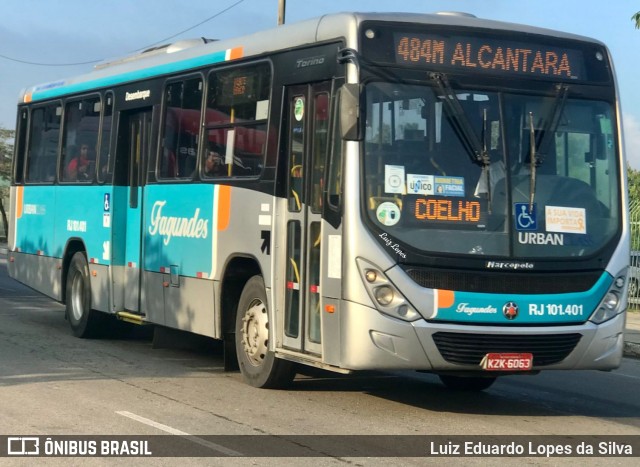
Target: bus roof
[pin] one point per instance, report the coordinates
(191, 54)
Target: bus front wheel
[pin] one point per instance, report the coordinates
(259, 366)
(83, 320)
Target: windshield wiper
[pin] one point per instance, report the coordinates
(475, 148)
(538, 149)
(533, 162)
(552, 120)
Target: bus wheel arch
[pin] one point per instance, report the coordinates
(238, 270)
(74, 245)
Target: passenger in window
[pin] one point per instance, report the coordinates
(79, 168)
(214, 164)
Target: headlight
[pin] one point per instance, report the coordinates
(370, 275)
(610, 305)
(386, 297)
(611, 301)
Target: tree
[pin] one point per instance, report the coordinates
(636, 18)
(6, 153)
(633, 178)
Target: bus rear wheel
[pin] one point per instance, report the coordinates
(467, 383)
(259, 366)
(84, 321)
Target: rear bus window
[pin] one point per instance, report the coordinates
(43, 144)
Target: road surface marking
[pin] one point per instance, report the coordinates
(174, 431)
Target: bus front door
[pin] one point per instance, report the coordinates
(307, 144)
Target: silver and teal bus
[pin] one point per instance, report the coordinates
(437, 193)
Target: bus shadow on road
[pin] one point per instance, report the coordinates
(519, 395)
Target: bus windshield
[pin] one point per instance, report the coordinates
(461, 171)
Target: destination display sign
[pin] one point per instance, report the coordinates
(434, 211)
(238, 88)
(487, 54)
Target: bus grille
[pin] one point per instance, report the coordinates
(468, 349)
(507, 283)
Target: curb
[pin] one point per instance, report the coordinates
(631, 350)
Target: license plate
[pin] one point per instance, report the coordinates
(507, 362)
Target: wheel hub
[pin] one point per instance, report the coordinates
(77, 297)
(255, 332)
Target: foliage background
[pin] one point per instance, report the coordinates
(6, 154)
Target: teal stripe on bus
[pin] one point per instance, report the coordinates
(129, 76)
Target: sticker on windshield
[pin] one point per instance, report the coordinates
(420, 184)
(298, 109)
(388, 213)
(449, 186)
(566, 220)
(394, 179)
(526, 219)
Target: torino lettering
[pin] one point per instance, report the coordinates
(446, 210)
(184, 227)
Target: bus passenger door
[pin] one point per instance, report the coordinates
(134, 137)
(307, 143)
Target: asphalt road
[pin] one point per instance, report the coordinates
(54, 384)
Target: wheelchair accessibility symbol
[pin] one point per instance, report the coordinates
(526, 219)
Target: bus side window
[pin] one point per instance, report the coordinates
(21, 139)
(179, 150)
(80, 138)
(236, 120)
(43, 144)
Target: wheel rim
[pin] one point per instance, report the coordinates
(77, 297)
(255, 332)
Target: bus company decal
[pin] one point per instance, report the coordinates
(473, 307)
(173, 226)
(469, 310)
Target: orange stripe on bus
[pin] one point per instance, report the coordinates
(236, 52)
(27, 98)
(446, 298)
(19, 197)
(224, 206)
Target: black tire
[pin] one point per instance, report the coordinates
(467, 383)
(84, 321)
(259, 366)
